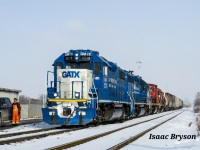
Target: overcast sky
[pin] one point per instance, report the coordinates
(163, 34)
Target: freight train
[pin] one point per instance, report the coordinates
(88, 88)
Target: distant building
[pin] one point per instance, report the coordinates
(10, 93)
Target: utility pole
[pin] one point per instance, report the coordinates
(139, 67)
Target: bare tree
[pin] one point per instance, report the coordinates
(42, 98)
(197, 99)
(23, 99)
(197, 102)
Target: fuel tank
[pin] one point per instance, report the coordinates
(113, 114)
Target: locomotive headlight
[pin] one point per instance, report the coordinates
(77, 95)
(76, 57)
(55, 94)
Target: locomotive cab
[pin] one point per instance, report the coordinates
(71, 96)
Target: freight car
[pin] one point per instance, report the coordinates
(169, 101)
(178, 103)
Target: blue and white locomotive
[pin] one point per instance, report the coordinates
(87, 88)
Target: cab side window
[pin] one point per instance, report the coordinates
(121, 75)
(7, 101)
(2, 102)
(97, 68)
(105, 71)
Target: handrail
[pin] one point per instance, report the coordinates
(48, 77)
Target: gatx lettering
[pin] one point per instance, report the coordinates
(71, 74)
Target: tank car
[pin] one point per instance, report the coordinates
(169, 101)
(178, 103)
(87, 88)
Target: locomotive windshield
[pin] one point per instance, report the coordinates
(72, 66)
(85, 65)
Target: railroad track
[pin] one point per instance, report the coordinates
(8, 125)
(88, 139)
(26, 138)
(25, 132)
(134, 138)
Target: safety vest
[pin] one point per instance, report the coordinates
(15, 108)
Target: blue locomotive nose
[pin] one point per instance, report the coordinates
(78, 117)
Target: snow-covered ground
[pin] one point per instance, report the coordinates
(27, 127)
(41, 125)
(185, 124)
(178, 125)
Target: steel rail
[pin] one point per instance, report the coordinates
(8, 125)
(25, 132)
(26, 138)
(88, 139)
(134, 138)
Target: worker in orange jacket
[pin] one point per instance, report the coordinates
(15, 111)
